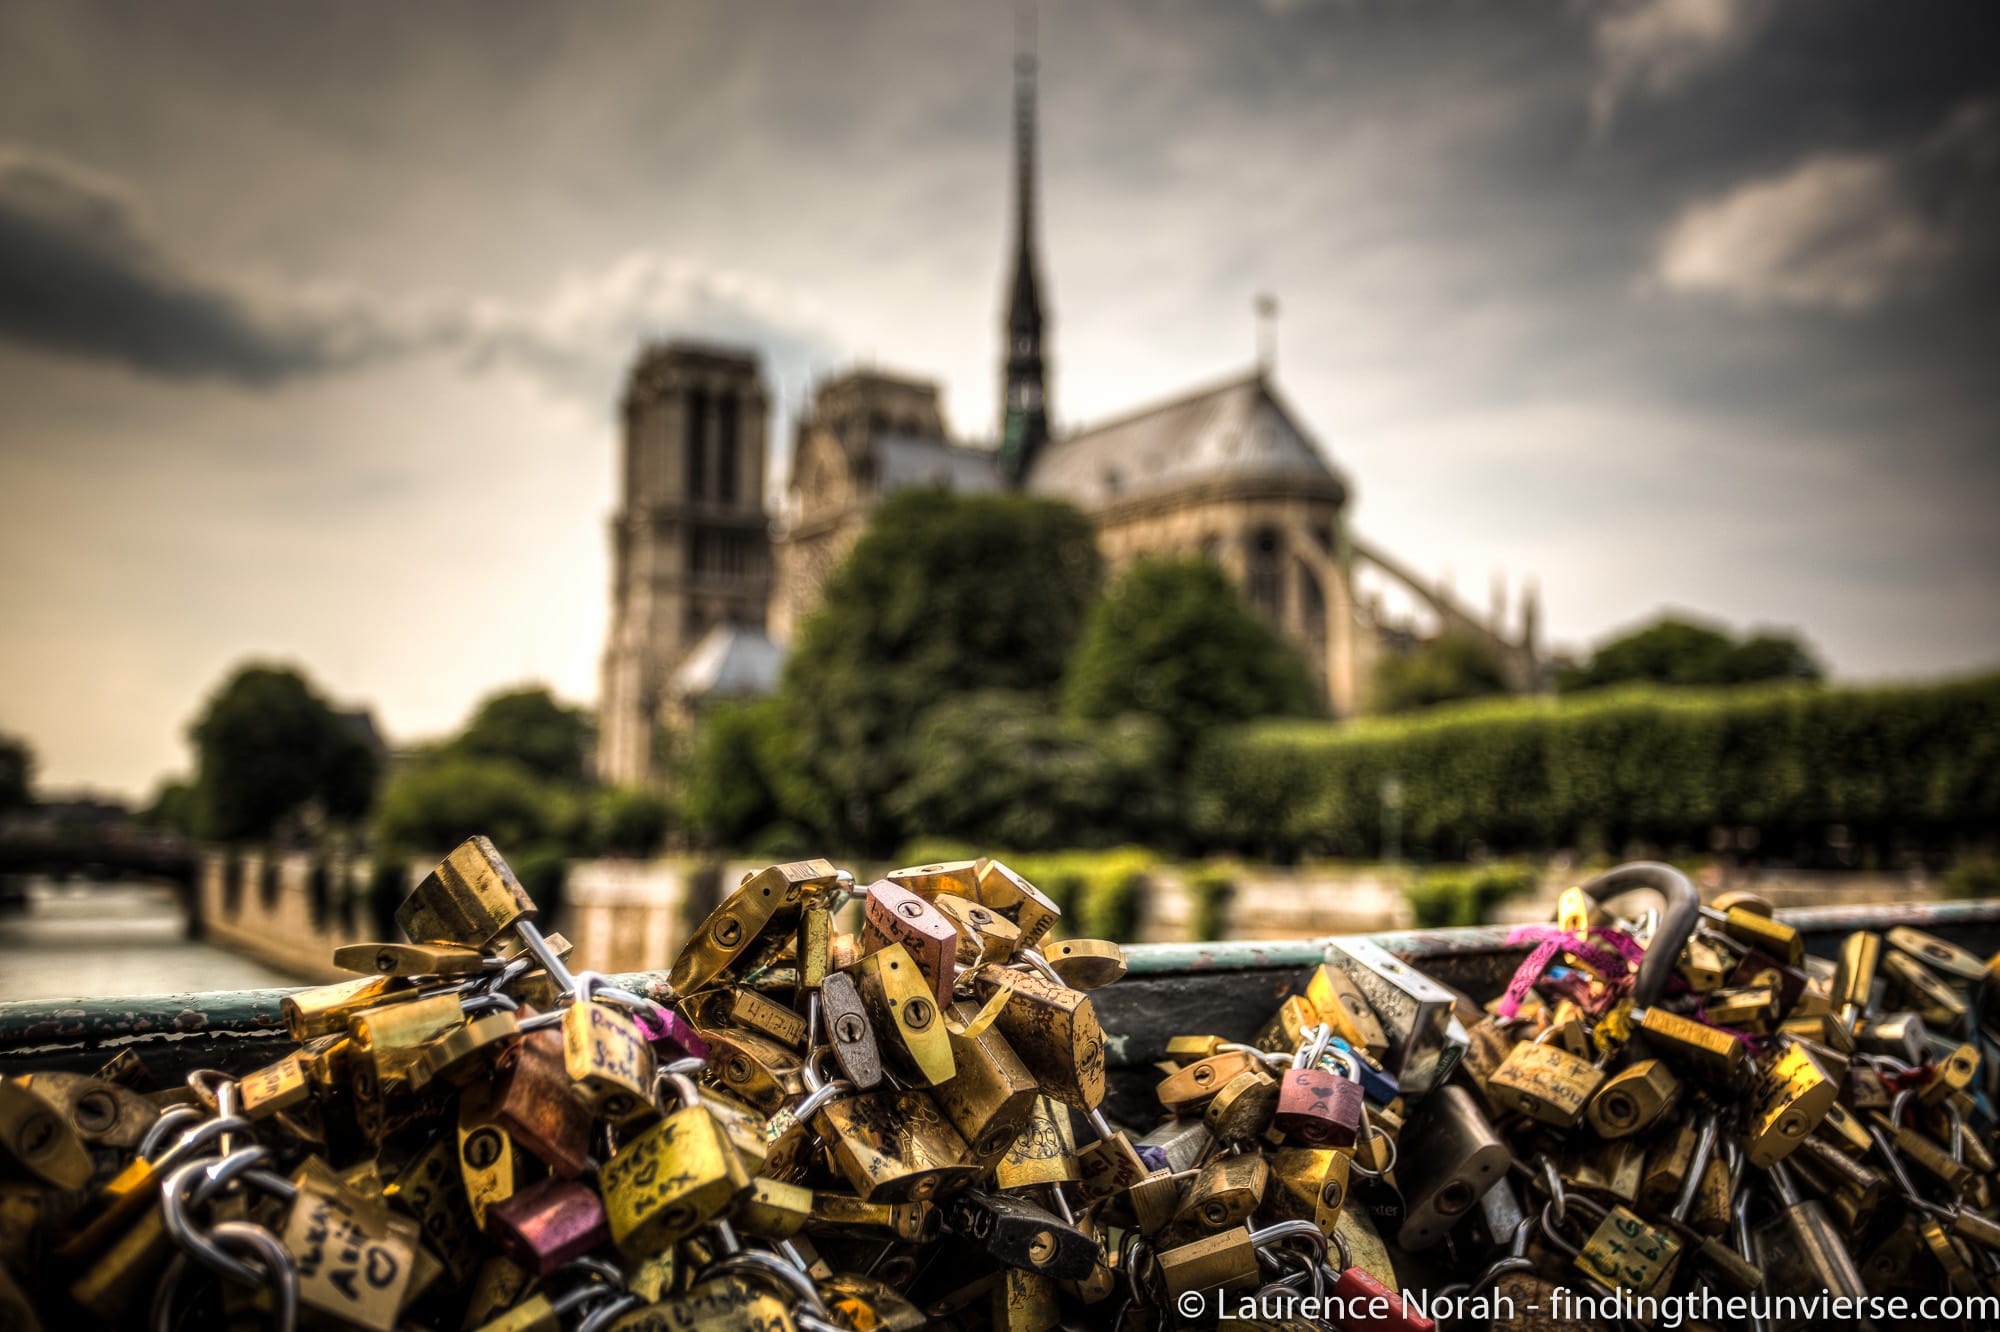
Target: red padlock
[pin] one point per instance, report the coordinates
(1366, 1305)
(1315, 1105)
(532, 1101)
(548, 1223)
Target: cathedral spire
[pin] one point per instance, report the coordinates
(1024, 421)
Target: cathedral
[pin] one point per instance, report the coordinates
(708, 586)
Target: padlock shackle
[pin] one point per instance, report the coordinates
(1677, 922)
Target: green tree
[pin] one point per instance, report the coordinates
(268, 747)
(17, 774)
(732, 787)
(1001, 769)
(1449, 667)
(1769, 656)
(629, 821)
(171, 808)
(1173, 640)
(1673, 651)
(528, 726)
(434, 805)
(942, 594)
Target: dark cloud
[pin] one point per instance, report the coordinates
(80, 276)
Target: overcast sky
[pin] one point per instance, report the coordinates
(312, 318)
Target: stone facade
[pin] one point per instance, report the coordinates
(691, 542)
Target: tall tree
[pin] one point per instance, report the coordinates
(1447, 668)
(1173, 640)
(941, 595)
(1673, 651)
(17, 774)
(530, 727)
(267, 746)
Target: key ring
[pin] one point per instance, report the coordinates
(1370, 1129)
(279, 1275)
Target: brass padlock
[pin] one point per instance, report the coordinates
(324, 1010)
(468, 900)
(401, 959)
(36, 1135)
(489, 1163)
(672, 1178)
(1054, 1030)
(1633, 1099)
(992, 1095)
(1309, 1184)
(1002, 890)
(984, 935)
(894, 1146)
(1242, 1111)
(904, 1013)
(744, 1007)
(1226, 1192)
(1627, 1253)
(610, 1066)
(1545, 1082)
(1043, 1153)
(768, 899)
(1087, 964)
(1714, 1055)
(1340, 1004)
(350, 1265)
(1791, 1097)
(1194, 1086)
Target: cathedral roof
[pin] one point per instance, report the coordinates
(905, 461)
(731, 661)
(1235, 429)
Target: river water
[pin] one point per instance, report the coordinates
(95, 940)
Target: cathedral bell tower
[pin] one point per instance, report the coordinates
(690, 544)
(1024, 407)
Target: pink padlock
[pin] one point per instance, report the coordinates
(548, 1223)
(671, 1035)
(1315, 1105)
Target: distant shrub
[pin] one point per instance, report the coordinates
(1976, 876)
(1465, 895)
(1212, 889)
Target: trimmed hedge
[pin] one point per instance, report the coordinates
(1912, 765)
(1465, 895)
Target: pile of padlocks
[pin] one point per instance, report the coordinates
(814, 1129)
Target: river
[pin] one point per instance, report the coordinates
(96, 940)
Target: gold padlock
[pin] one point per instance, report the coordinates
(1055, 1031)
(672, 1178)
(468, 900)
(608, 1062)
(1226, 1192)
(401, 959)
(770, 898)
(1544, 1082)
(1043, 1153)
(1633, 1099)
(1011, 895)
(1310, 1184)
(991, 1095)
(903, 1010)
(1790, 1099)
(894, 1146)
